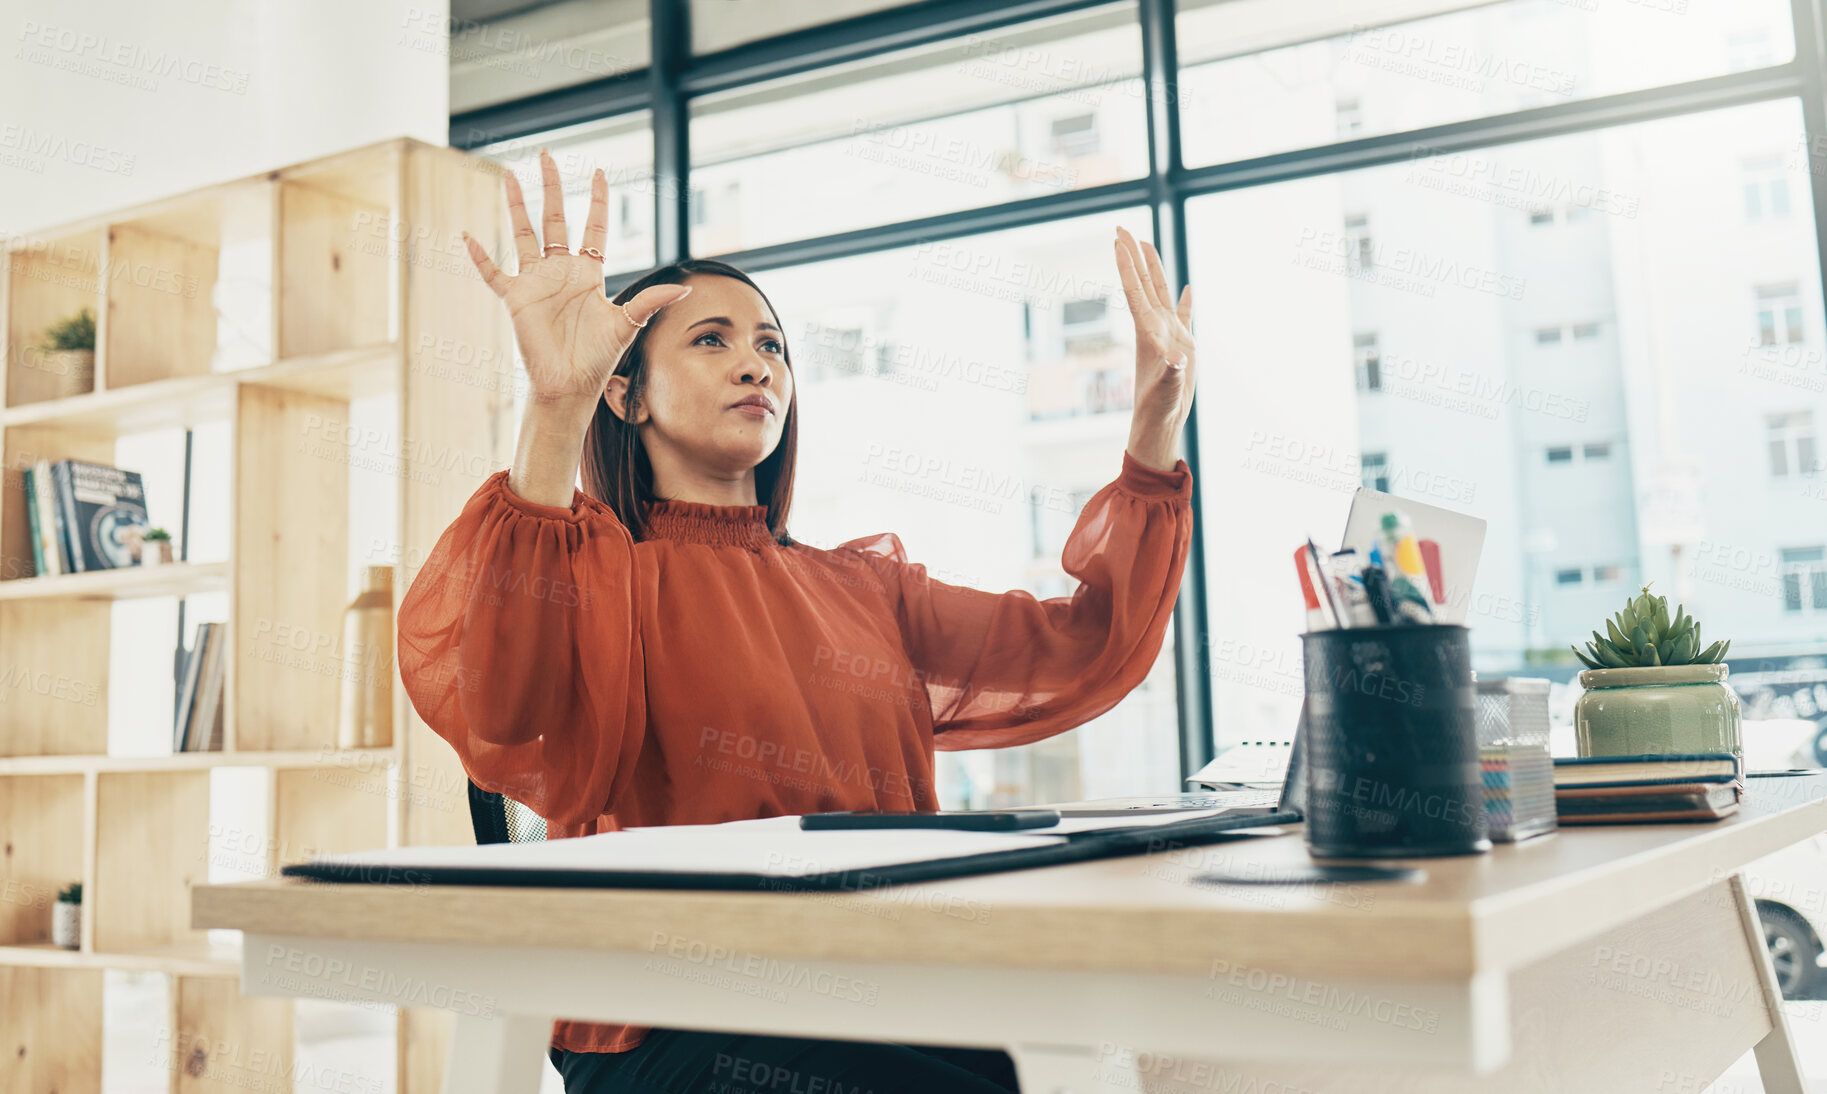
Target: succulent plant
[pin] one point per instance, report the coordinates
(1643, 635)
(71, 893)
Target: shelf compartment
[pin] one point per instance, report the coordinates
(24, 446)
(152, 846)
(292, 543)
(53, 1028)
(41, 851)
(48, 281)
(340, 250)
(54, 655)
(190, 290)
(328, 811)
(161, 315)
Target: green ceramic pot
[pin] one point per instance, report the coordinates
(1647, 711)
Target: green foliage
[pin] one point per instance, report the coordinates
(76, 332)
(70, 894)
(1643, 635)
(152, 535)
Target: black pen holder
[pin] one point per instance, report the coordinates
(1392, 743)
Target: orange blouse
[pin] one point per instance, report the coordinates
(709, 674)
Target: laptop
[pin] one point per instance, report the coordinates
(1285, 804)
(1461, 540)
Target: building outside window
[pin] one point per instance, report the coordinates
(1075, 135)
(1804, 579)
(1369, 361)
(1350, 118)
(1766, 188)
(1791, 444)
(1360, 253)
(1779, 315)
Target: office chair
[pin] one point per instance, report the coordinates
(499, 819)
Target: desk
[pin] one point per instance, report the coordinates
(1595, 959)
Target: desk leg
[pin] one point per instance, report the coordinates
(1777, 1064)
(491, 1055)
(1069, 1069)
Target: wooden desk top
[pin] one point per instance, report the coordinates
(1479, 913)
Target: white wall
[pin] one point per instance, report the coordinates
(112, 103)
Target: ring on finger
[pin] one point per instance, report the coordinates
(592, 252)
(628, 317)
(547, 249)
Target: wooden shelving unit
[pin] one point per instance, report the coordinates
(265, 306)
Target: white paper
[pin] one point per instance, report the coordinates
(772, 847)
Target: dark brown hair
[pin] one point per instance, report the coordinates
(616, 470)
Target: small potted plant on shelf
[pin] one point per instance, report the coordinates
(68, 353)
(66, 916)
(155, 547)
(1653, 688)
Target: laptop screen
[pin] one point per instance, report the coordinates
(1294, 783)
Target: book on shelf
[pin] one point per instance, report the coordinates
(199, 718)
(50, 551)
(94, 508)
(31, 512)
(187, 688)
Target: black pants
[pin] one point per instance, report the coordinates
(673, 1061)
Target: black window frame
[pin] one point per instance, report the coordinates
(676, 76)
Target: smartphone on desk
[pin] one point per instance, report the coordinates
(965, 820)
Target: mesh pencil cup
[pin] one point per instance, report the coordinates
(1392, 761)
(1513, 754)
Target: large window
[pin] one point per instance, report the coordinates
(1551, 262)
(1490, 414)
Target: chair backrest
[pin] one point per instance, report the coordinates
(499, 819)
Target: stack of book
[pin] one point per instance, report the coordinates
(1689, 786)
(198, 725)
(80, 514)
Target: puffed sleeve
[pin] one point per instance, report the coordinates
(1007, 668)
(519, 644)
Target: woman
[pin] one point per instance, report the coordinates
(655, 649)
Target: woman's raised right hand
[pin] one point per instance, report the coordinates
(570, 334)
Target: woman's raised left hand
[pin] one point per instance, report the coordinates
(1165, 367)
